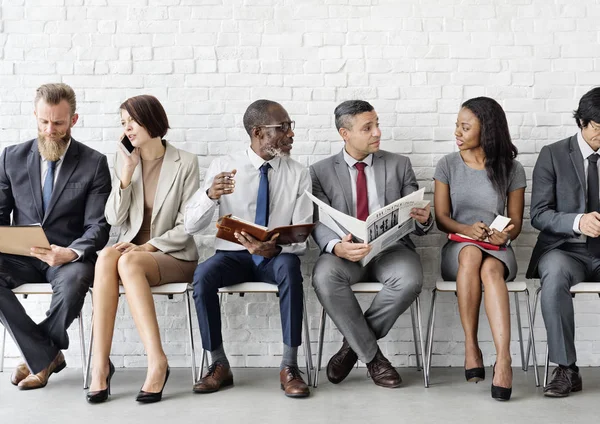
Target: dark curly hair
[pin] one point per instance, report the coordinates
(495, 140)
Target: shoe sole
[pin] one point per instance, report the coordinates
(295, 395)
(388, 386)
(475, 379)
(225, 383)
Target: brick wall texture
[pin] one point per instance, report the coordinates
(206, 60)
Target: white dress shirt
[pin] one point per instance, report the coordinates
(57, 167)
(586, 152)
(288, 204)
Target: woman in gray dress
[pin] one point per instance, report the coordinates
(473, 186)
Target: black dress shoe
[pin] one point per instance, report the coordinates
(500, 393)
(382, 372)
(100, 396)
(475, 375)
(340, 364)
(151, 397)
(564, 381)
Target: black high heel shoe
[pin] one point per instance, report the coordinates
(475, 375)
(150, 397)
(100, 396)
(500, 393)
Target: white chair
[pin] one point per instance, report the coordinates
(373, 288)
(580, 288)
(44, 288)
(515, 287)
(169, 290)
(261, 287)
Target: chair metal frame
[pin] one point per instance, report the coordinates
(169, 290)
(580, 288)
(262, 287)
(373, 288)
(45, 288)
(514, 287)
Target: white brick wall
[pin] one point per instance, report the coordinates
(206, 60)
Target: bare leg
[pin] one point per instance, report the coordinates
(468, 287)
(497, 308)
(105, 301)
(138, 271)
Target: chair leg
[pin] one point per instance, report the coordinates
(320, 347)
(429, 340)
(82, 347)
(414, 328)
(186, 298)
(307, 349)
(203, 362)
(88, 362)
(546, 366)
(2, 346)
(520, 330)
(530, 346)
(532, 341)
(420, 324)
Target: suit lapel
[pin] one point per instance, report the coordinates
(168, 172)
(341, 169)
(577, 159)
(379, 170)
(35, 179)
(70, 162)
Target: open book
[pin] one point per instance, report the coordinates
(382, 228)
(228, 225)
(19, 239)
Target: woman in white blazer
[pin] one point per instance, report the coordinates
(151, 185)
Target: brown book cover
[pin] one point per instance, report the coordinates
(19, 239)
(227, 225)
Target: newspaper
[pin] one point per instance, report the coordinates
(381, 229)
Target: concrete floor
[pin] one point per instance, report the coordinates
(257, 398)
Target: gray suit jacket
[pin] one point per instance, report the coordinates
(557, 197)
(75, 216)
(331, 183)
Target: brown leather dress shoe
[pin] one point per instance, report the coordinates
(218, 375)
(292, 383)
(39, 380)
(19, 374)
(340, 364)
(382, 372)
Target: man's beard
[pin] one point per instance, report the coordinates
(276, 152)
(52, 149)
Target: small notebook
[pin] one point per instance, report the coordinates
(459, 238)
(19, 239)
(227, 225)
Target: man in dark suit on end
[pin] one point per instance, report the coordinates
(62, 184)
(565, 208)
(358, 181)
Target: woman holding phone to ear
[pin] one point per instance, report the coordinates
(472, 187)
(151, 185)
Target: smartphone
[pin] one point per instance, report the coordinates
(127, 144)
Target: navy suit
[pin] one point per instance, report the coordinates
(74, 219)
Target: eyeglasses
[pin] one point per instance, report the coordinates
(285, 126)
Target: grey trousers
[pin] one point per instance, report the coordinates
(560, 269)
(40, 343)
(397, 268)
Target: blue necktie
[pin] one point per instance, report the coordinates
(48, 185)
(262, 204)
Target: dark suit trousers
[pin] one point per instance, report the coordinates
(560, 269)
(40, 343)
(233, 267)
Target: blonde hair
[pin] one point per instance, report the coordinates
(55, 93)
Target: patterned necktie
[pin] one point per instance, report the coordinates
(262, 204)
(48, 184)
(593, 200)
(362, 198)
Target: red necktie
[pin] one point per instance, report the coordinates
(362, 198)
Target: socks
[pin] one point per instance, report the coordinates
(290, 357)
(218, 355)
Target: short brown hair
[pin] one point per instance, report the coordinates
(147, 111)
(54, 93)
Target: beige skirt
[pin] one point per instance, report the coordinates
(173, 270)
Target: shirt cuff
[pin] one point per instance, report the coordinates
(331, 245)
(79, 253)
(576, 224)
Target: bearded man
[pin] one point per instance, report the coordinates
(264, 185)
(63, 185)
